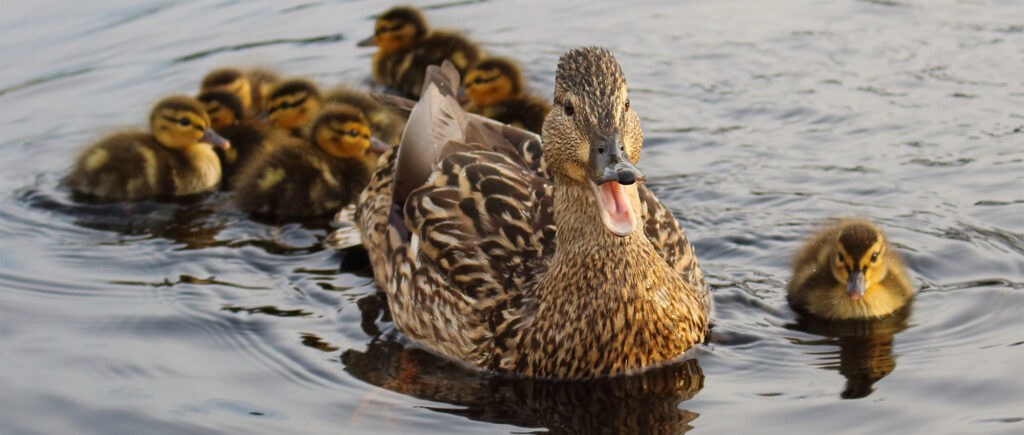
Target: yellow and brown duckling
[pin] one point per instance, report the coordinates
(488, 257)
(405, 46)
(495, 90)
(849, 271)
(227, 117)
(386, 124)
(312, 179)
(174, 158)
(292, 105)
(251, 86)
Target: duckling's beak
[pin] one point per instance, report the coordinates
(856, 284)
(211, 137)
(378, 146)
(367, 42)
(609, 169)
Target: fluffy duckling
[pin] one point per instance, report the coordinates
(311, 180)
(174, 158)
(292, 105)
(227, 114)
(405, 47)
(251, 86)
(848, 271)
(495, 90)
(386, 124)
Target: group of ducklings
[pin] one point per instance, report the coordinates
(460, 214)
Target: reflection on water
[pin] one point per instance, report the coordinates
(865, 348)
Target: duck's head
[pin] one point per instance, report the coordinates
(223, 107)
(859, 258)
(180, 121)
(342, 131)
(493, 80)
(396, 29)
(592, 137)
(293, 104)
(231, 80)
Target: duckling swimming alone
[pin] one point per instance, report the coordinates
(292, 105)
(848, 271)
(306, 180)
(487, 257)
(226, 114)
(495, 90)
(405, 47)
(251, 86)
(173, 159)
(386, 124)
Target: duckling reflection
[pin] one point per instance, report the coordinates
(865, 348)
(644, 403)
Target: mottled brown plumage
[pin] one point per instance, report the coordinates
(494, 250)
(405, 46)
(170, 160)
(495, 89)
(848, 271)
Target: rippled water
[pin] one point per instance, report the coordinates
(761, 119)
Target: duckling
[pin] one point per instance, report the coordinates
(386, 124)
(292, 105)
(848, 271)
(495, 90)
(488, 256)
(405, 46)
(251, 86)
(311, 179)
(226, 114)
(173, 159)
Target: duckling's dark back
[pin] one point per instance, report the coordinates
(126, 166)
(405, 70)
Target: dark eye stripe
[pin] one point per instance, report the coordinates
(479, 80)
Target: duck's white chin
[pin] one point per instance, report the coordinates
(615, 209)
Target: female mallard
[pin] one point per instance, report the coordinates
(848, 271)
(306, 180)
(227, 118)
(251, 86)
(405, 47)
(173, 159)
(495, 90)
(491, 257)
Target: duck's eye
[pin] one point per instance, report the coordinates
(839, 258)
(185, 122)
(353, 133)
(569, 110)
(627, 104)
(874, 257)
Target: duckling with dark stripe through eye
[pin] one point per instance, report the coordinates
(849, 271)
(386, 124)
(174, 158)
(227, 118)
(292, 105)
(251, 86)
(495, 90)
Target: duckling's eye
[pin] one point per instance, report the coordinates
(874, 257)
(185, 122)
(839, 258)
(569, 110)
(479, 80)
(353, 133)
(627, 104)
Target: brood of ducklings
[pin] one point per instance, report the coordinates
(251, 86)
(848, 271)
(386, 124)
(306, 180)
(487, 257)
(174, 158)
(292, 105)
(226, 117)
(405, 46)
(495, 90)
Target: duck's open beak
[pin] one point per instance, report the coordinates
(609, 170)
(367, 42)
(211, 137)
(856, 285)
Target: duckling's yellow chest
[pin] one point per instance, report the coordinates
(203, 174)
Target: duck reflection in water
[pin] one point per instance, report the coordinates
(865, 348)
(644, 403)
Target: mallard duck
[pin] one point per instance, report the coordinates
(292, 105)
(405, 46)
(385, 123)
(490, 256)
(226, 117)
(848, 271)
(251, 86)
(495, 90)
(305, 180)
(174, 158)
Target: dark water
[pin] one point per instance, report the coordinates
(761, 118)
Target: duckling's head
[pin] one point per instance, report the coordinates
(223, 107)
(342, 131)
(493, 80)
(592, 137)
(859, 259)
(231, 80)
(293, 104)
(180, 121)
(396, 29)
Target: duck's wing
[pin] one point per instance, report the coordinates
(668, 238)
